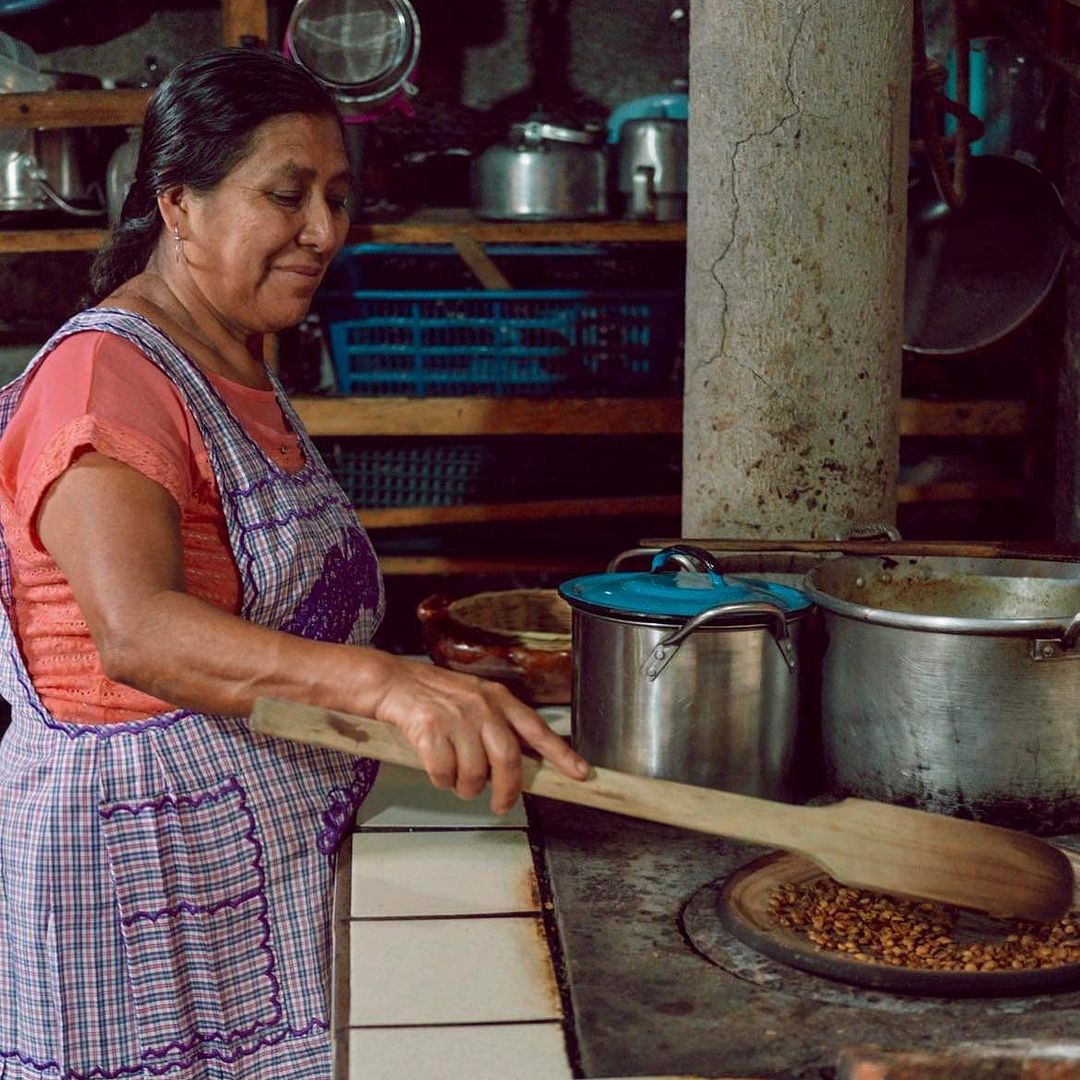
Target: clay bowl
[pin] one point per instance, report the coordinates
(520, 637)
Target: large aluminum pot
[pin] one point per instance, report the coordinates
(690, 676)
(953, 685)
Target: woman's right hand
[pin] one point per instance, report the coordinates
(466, 729)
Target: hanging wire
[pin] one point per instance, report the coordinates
(927, 80)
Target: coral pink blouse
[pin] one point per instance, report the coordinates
(97, 391)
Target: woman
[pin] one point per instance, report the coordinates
(174, 549)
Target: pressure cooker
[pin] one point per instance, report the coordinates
(542, 172)
(650, 139)
(652, 175)
(688, 674)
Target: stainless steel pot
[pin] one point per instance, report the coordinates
(953, 685)
(653, 168)
(711, 698)
(543, 172)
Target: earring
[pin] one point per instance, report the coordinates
(178, 243)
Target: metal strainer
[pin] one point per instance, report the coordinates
(362, 50)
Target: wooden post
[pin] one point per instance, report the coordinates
(798, 165)
(244, 18)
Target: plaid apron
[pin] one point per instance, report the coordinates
(165, 885)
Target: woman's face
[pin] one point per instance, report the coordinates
(258, 244)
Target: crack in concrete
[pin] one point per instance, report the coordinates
(797, 110)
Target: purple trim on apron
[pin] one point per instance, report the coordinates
(165, 883)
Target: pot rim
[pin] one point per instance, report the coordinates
(736, 622)
(944, 624)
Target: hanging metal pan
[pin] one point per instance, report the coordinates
(363, 50)
(976, 273)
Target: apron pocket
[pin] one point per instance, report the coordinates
(191, 894)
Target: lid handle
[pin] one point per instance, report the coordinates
(662, 655)
(691, 558)
(534, 132)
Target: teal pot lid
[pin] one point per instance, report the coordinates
(672, 591)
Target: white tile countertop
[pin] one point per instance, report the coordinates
(449, 975)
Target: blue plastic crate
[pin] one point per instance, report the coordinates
(389, 471)
(414, 472)
(470, 342)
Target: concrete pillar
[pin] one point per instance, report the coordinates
(795, 265)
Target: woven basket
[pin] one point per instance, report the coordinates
(535, 618)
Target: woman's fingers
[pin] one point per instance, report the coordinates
(535, 733)
(438, 758)
(504, 753)
(472, 762)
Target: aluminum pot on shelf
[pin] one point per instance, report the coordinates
(952, 685)
(685, 674)
(543, 172)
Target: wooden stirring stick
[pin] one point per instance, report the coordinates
(860, 843)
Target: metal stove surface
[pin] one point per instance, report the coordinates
(646, 1001)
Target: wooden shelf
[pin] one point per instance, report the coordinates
(960, 491)
(962, 418)
(435, 227)
(543, 510)
(20, 241)
(490, 416)
(440, 226)
(603, 416)
(73, 108)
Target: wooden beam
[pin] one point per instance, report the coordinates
(17, 242)
(473, 255)
(598, 416)
(244, 18)
(73, 108)
(602, 506)
(490, 416)
(442, 225)
(957, 549)
(960, 491)
(964, 418)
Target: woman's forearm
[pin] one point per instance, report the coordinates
(185, 651)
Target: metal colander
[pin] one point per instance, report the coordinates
(363, 50)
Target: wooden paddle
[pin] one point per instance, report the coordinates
(860, 843)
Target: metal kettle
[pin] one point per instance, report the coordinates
(653, 153)
(543, 172)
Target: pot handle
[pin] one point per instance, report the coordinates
(643, 193)
(690, 558)
(661, 656)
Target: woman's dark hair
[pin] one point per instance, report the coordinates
(199, 124)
